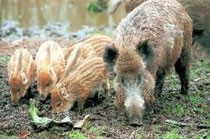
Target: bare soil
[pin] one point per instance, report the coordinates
(104, 116)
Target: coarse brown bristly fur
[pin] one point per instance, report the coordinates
(21, 70)
(89, 47)
(79, 83)
(96, 42)
(149, 41)
(50, 64)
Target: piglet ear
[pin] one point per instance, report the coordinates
(146, 51)
(64, 93)
(23, 78)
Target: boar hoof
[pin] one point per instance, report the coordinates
(184, 92)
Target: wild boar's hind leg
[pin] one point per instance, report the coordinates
(160, 78)
(182, 67)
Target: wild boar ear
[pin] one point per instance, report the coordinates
(146, 51)
(23, 78)
(64, 93)
(109, 57)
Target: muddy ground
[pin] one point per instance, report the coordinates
(106, 121)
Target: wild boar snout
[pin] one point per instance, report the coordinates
(43, 96)
(132, 87)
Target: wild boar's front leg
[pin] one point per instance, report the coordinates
(160, 78)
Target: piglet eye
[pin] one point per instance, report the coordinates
(59, 104)
(122, 81)
(48, 84)
(18, 89)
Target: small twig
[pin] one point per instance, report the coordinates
(186, 124)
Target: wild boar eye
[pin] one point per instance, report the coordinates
(59, 104)
(18, 89)
(139, 78)
(122, 81)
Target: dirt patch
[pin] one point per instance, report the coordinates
(105, 119)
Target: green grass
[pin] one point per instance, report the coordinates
(42, 135)
(177, 110)
(170, 108)
(174, 82)
(195, 99)
(173, 134)
(6, 137)
(192, 104)
(4, 59)
(180, 110)
(76, 135)
(202, 135)
(195, 73)
(93, 130)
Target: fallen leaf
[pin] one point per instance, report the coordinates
(24, 134)
(200, 105)
(80, 124)
(133, 135)
(45, 122)
(33, 111)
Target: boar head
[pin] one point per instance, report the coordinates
(19, 86)
(61, 100)
(130, 66)
(47, 79)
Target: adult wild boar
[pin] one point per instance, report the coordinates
(21, 70)
(153, 38)
(197, 9)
